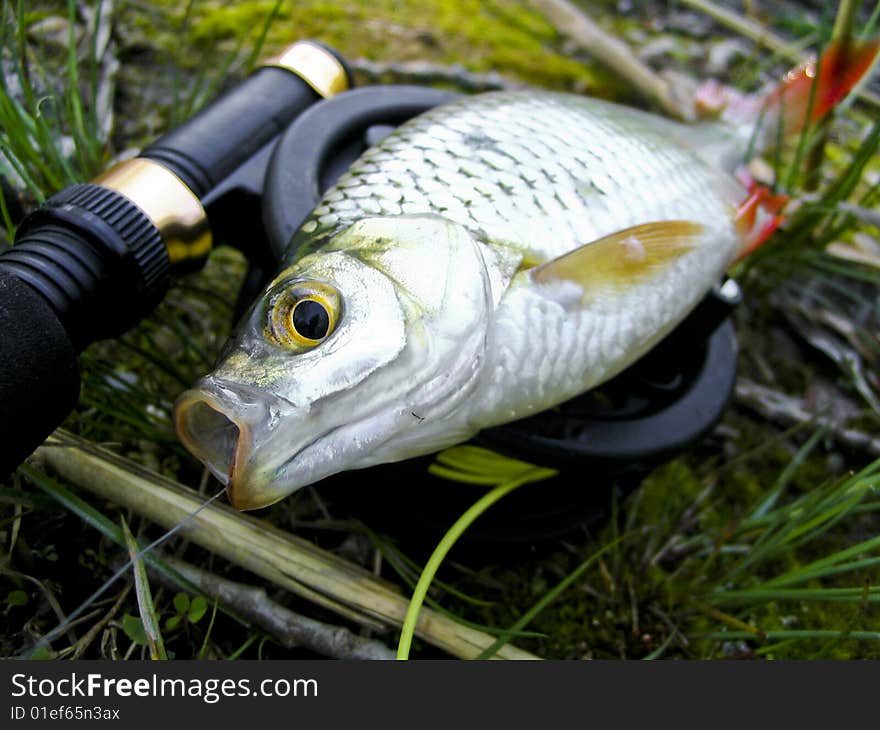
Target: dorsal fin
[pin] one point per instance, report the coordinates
(624, 257)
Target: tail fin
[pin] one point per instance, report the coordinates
(795, 103)
(804, 96)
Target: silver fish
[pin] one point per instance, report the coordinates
(489, 259)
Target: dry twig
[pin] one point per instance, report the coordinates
(613, 53)
(289, 629)
(96, 629)
(424, 72)
(787, 410)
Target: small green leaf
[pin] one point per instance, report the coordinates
(181, 603)
(197, 609)
(16, 598)
(42, 653)
(173, 622)
(134, 629)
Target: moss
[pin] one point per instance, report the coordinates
(501, 36)
(669, 490)
(35, 16)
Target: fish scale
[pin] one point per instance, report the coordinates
(538, 172)
(533, 175)
(582, 346)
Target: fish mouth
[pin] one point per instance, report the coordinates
(223, 440)
(212, 433)
(215, 429)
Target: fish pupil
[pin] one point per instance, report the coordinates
(311, 320)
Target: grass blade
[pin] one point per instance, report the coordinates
(445, 545)
(144, 597)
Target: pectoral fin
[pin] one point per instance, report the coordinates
(622, 258)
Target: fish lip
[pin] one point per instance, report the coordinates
(247, 491)
(232, 475)
(248, 486)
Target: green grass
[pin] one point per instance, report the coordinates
(471, 466)
(782, 559)
(42, 112)
(766, 554)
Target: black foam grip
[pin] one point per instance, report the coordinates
(39, 377)
(208, 147)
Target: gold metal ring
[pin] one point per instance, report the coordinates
(319, 68)
(167, 201)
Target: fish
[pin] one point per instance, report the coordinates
(489, 259)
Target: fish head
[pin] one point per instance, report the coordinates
(361, 352)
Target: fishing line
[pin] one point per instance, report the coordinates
(46, 639)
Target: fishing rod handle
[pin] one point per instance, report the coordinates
(212, 144)
(39, 376)
(96, 258)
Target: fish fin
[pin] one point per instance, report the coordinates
(794, 103)
(837, 71)
(758, 234)
(759, 215)
(622, 258)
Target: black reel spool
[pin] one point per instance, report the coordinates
(609, 438)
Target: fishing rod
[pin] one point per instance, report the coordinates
(247, 171)
(97, 257)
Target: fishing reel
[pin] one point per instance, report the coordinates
(250, 168)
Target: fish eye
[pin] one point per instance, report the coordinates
(303, 315)
(310, 319)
